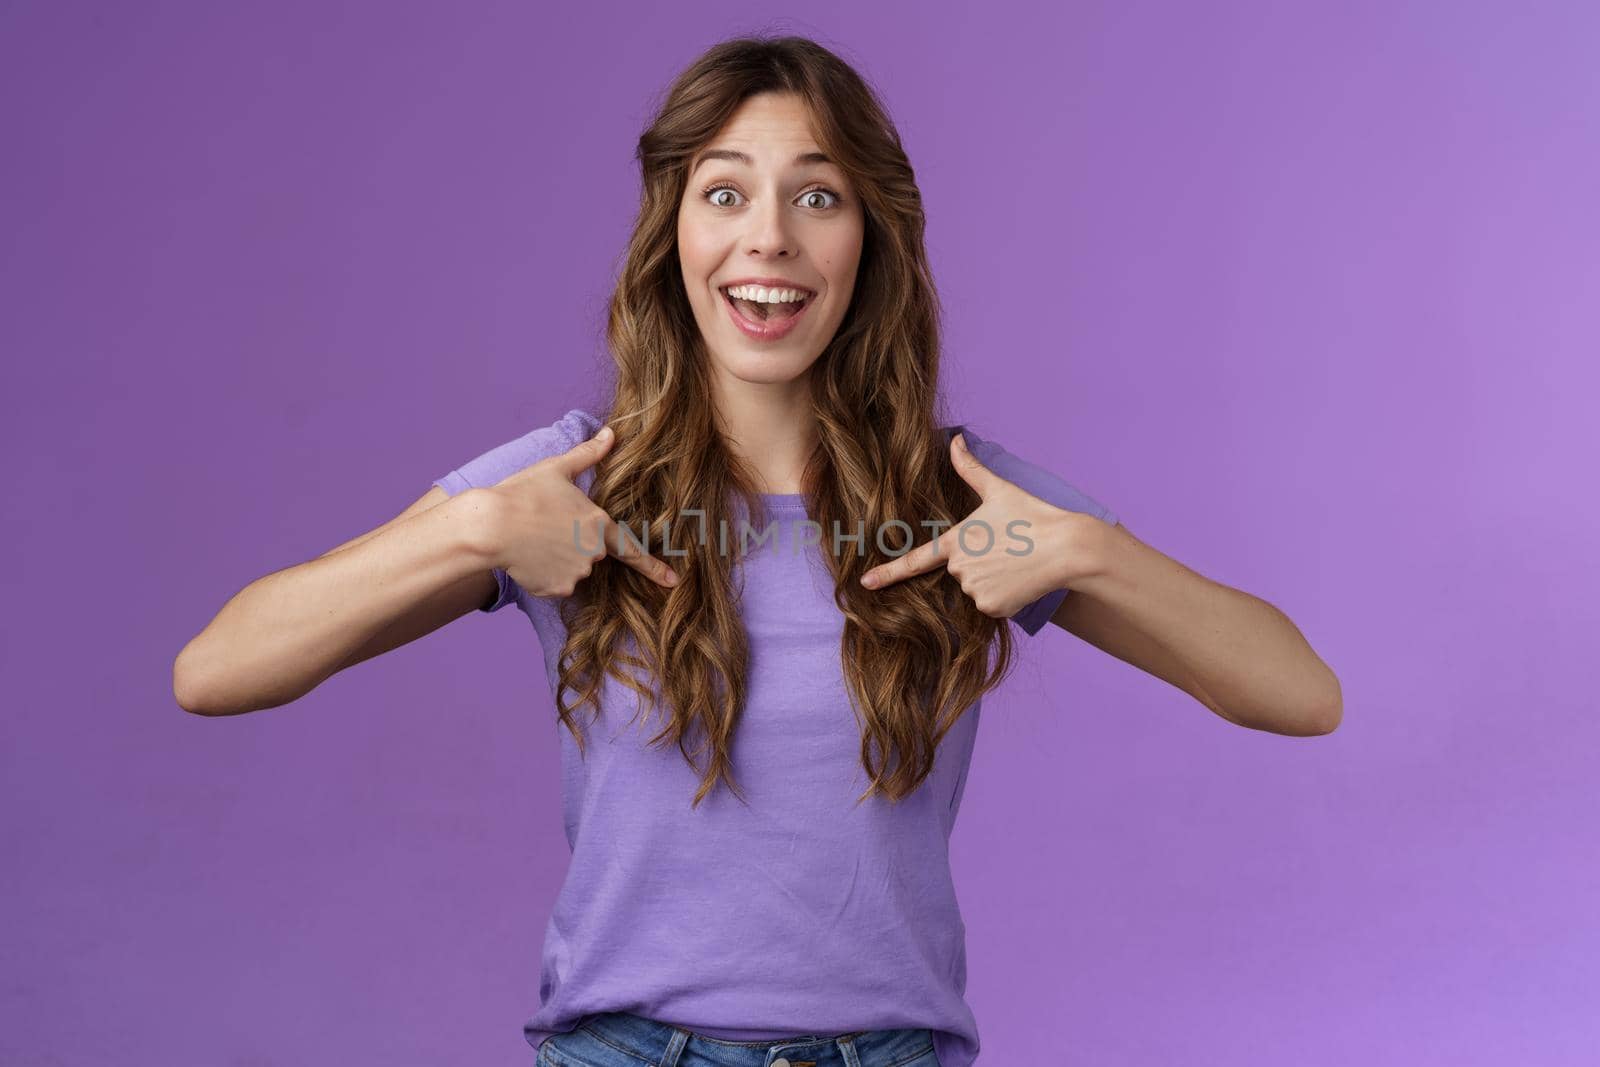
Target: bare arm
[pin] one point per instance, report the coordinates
(1237, 654)
(286, 633)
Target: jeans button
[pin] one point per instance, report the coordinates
(780, 1062)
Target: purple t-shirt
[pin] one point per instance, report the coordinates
(801, 913)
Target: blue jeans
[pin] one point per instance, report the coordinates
(622, 1039)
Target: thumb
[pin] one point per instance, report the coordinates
(971, 470)
(586, 454)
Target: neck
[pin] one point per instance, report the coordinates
(771, 428)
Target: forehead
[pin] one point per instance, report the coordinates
(772, 129)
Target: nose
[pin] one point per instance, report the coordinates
(770, 232)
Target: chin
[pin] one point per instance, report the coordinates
(765, 368)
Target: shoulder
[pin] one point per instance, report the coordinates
(573, 428)
(507, 458)
(1041, 480)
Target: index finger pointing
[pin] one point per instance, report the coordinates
(626, 549)
(919, 560)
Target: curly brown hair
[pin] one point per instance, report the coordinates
(916, 654)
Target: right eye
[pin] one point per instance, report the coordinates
(723, 188)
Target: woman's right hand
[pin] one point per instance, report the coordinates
(540, 546)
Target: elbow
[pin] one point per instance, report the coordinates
(189, 687)
(1326, 722)
(185, 685)
(1312, 723)
(204, 683)
(1333, 713)
(1302, 718)
(1328, 711)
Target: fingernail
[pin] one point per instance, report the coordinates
(605, 432)
(869, 580)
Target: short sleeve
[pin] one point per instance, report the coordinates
(1045, 485)
(502, 461)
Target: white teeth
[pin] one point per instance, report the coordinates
(766, 296)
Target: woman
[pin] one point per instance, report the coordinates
(781, 692)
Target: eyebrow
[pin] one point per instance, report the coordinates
(735, 156)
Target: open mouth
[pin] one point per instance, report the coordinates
(759, 311)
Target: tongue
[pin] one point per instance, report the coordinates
(754, 309)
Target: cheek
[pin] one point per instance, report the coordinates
(699, 260)
(841, 262)
(691, 247)
(697, 231)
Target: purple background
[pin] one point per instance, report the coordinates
(1306, 293)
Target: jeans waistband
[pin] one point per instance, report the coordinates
(675, 1046)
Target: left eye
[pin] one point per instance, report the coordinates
(822, 192)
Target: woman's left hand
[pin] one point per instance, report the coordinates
(1008, 553)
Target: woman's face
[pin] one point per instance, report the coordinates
(773, 214)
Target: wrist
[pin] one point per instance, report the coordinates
(478, 526)
(1096, 551)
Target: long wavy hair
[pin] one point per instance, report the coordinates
(915, 655)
